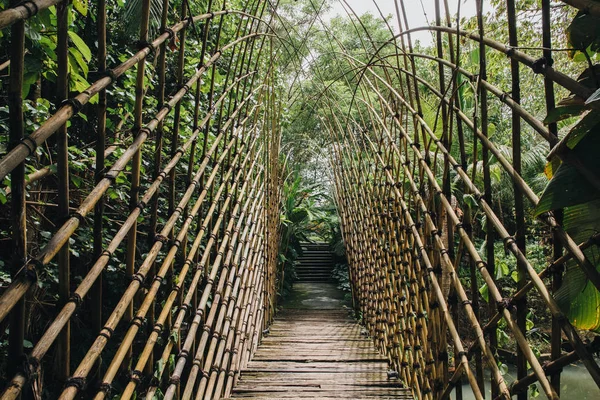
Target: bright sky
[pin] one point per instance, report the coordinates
(414, 9)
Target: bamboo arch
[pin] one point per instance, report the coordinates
(195, 305)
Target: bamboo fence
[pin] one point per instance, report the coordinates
(190, 313)
(194, 304)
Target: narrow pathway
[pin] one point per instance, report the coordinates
(316, 351)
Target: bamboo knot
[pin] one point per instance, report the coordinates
(73, 102)
(158, 327)
(170, 32)
(183, 354)
(174, 380)
(77, 382)
(137, 321)
(138, 277)
(509, 240)
(144, 44)
(136, 376)
(29, 143)
(31, 7)
(76, 298)
(106, 388)
(540, 65)
(106, 333)
(505, 303)
(161, 238)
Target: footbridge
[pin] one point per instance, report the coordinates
(141, 234)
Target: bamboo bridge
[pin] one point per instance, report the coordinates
(179, 299)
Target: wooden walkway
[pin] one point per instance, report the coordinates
(317, 354)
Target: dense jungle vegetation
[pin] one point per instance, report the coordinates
(319, 56)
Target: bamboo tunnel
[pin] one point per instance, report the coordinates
(184, 187)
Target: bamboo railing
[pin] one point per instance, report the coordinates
(406, 238)
(181, 284)
(200, 238)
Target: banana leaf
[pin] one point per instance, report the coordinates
(569, 186)
(577, 297)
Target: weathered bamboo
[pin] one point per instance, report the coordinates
(521, 304)
(17, 290)
(134, 286)
(148, 300)
(96, 290)
(200, 310)
(576, 341)
(66, 111)
(63, 353)
(17, 185)
(566, 326)
(50, 335)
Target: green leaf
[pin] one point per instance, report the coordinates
(533, 391)
(551, 167)
(594, 97)
(160, 366)
(515, 276)
(588, 124)
(298, 215)
(577, 297)
(564, 112)
(81, 46)
(75, 55)
(569, 186)
(485, 293)
(81, 6)
(470, 201)
(584, 32)
(503, 368)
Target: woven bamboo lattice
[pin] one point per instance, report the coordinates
(195, 302)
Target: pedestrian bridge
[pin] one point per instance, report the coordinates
(142, 213)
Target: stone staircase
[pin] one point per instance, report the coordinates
(316, 264)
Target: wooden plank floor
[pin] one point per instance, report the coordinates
(317, 354)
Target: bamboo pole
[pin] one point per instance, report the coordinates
(521, 304)
(64, 270)
(66, 111)
(17, 185)
(17, 290)
(96, 291)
